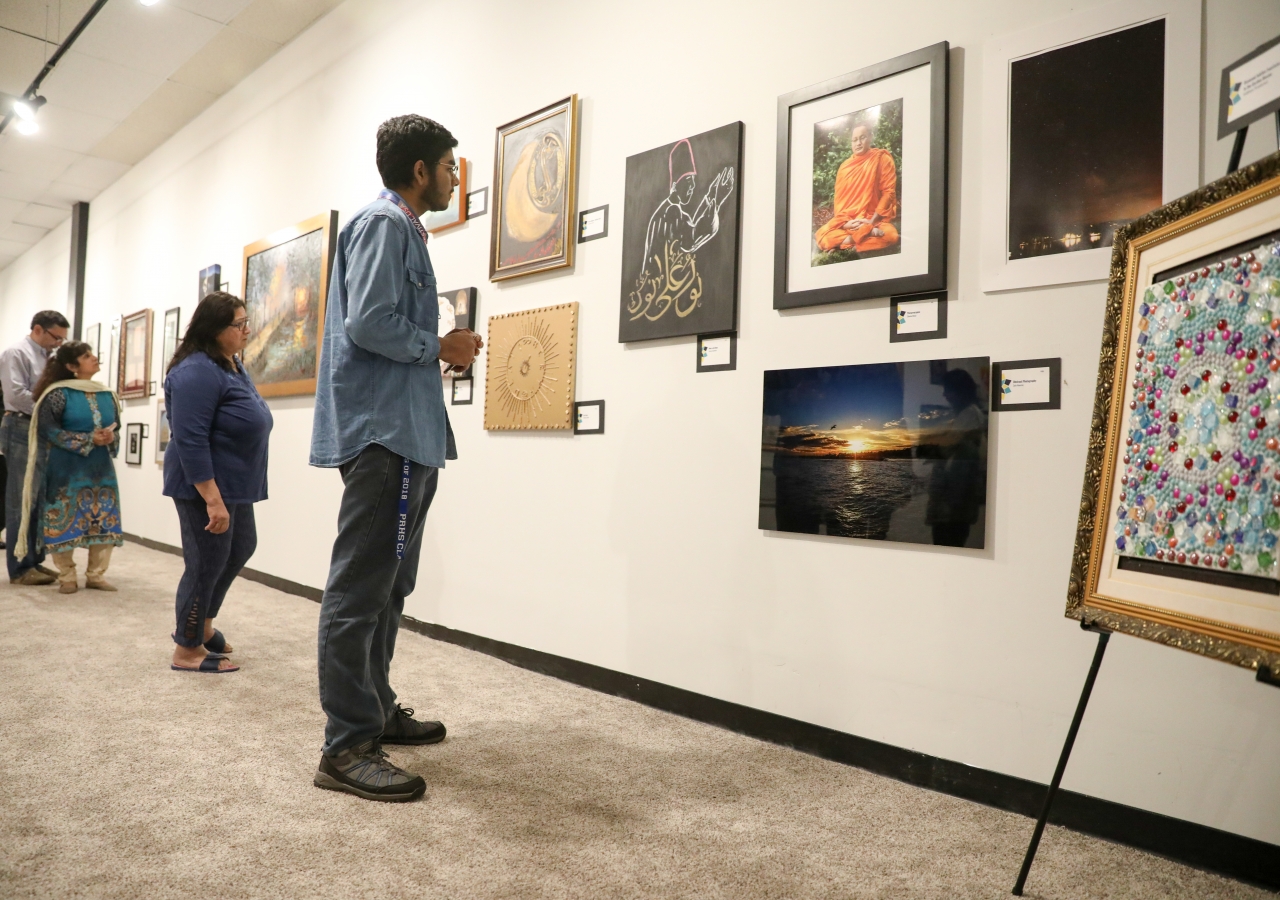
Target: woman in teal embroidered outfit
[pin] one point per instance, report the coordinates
(74, 434)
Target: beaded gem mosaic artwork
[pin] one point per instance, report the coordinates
(1201, 482)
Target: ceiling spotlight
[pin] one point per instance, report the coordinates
(27, 126)
(27, 108)
(148, 2)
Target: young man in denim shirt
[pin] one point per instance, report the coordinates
(380, 420)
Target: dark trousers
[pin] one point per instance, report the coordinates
(213, 562)
(364, 597)
(14, 432)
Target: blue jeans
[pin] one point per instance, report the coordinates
(363, 600)
(213, 562)
(14, 431)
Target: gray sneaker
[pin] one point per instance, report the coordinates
(365, 771)
(403, 728)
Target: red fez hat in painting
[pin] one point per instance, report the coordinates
(681, 162)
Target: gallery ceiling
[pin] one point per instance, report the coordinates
(133, 78)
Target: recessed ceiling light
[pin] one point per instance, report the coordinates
(27, 126)
(148, 2)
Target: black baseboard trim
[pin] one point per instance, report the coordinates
(1233, 855)
(271, 581)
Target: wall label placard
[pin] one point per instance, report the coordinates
(462, 391)
(1250, 88)
(588, 417)
(477, 202)
(717, 352)
(918, 317)
(593, 224)
(1026, 384)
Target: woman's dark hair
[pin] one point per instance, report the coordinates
(57, 367)
(403, 141)
(215, 312)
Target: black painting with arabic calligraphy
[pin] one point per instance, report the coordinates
(680, 237)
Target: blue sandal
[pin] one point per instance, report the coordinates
(217, 643)
(208, 664)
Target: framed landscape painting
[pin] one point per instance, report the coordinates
(134, 380)
(903, 459)
(535, 177)
(286, 281)
(862, 184)
(680, 237)
(1082, 133)
(1178, 538)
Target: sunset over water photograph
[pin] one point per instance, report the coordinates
(889, 451)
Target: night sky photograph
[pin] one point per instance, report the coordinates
(1086, 141)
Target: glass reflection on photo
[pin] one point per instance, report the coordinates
(887, 451)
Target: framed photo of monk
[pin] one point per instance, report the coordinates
(535, 177)
(1084, 130)
(680, 237)
(862, 184)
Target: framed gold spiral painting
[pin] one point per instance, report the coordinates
(529, 374)
(535, 176)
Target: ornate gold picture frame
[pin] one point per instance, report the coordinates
(1179, 526)
(535, 181)
(529, 374)
(134, 376)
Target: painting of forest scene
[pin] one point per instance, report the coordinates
(857, 185)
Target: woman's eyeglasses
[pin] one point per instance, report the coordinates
(243, 325)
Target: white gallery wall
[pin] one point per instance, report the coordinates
(638, 550)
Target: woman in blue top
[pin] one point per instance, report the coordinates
(215, 469)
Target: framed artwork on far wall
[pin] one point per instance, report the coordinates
(529, 372)
(680, 237)
(1085, 129)
(93, 337)
(862, 184)
(904, 458)
(456, 213)
(210, 281)
(113, 357)
(1178, 537)
(171, 336)
(134, 380)
(133, 443)
(457, 310)
(535, 177)
(162, 432)
(286, 281)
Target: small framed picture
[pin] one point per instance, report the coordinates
(134, 379)
(588, 417)
(462, 391)
(477, 202)
(918, 317)
(593, 224)
(133, 444)
(1026, 384)
(93, 337)
(210, 280)
(162, 432)
(717, 352)
(172, 317)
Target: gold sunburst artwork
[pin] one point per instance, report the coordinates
(529, 376)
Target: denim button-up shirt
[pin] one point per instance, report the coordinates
(379, 382)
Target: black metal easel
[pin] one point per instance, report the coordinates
(1238, 147)
(1103, 636)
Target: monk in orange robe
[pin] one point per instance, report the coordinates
(866, 200)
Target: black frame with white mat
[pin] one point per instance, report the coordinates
(718, 337)
(917, 304)
(134, 434)
(481, 194)
(1000, 369)
(582, 224)
(578, 408)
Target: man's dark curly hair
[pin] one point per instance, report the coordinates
(403, 141)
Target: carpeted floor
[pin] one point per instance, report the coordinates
(120, 778)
